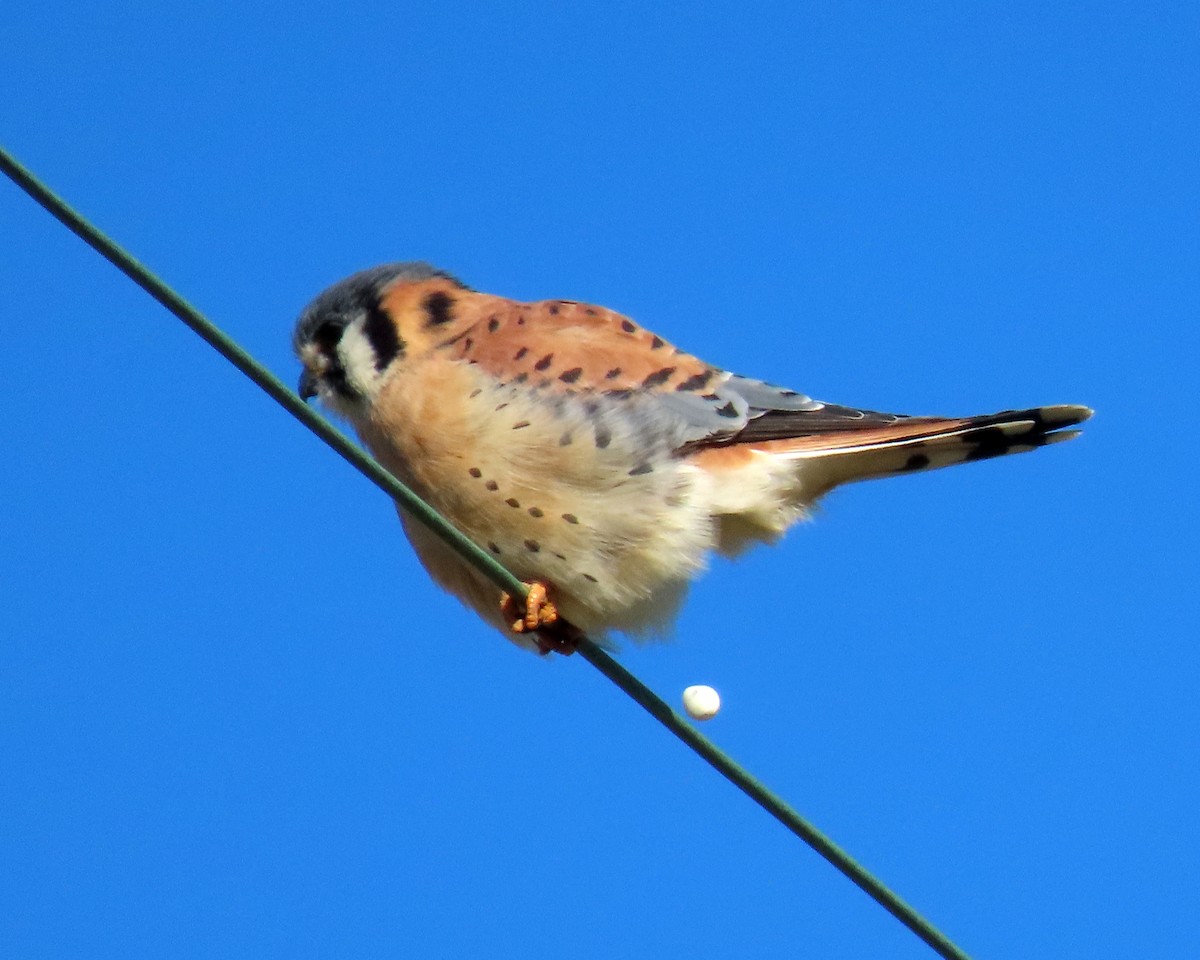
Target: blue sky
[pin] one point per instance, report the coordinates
(237, 721)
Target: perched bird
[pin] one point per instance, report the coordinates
(592, 458)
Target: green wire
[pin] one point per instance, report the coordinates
(349, 451)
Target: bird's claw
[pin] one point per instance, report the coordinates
(539, 613)
(539, 610)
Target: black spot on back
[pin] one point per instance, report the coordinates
(570, 376)
(493, 325)
(697, 382)
(627, 326)
(658, 377)
(536, 512)
(657, 343)
(603, 437)
(545, 362)
(613, 373)
(520, 353)
(532, 546)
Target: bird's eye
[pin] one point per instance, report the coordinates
(327, 336)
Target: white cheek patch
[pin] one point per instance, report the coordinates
(357, 357)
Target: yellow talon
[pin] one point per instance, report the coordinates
(539, 610)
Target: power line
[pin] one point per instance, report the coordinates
(469, 551)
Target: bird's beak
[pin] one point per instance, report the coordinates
(307, 388)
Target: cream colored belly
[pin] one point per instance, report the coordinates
(615, 530)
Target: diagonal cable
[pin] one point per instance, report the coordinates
(469, 551)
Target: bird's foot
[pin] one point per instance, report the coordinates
(538, 611)
(539, 617)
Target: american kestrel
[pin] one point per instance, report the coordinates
(588, 455)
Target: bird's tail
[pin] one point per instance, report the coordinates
(922, 443)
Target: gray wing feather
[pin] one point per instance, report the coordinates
(767, 396)
(741, 410)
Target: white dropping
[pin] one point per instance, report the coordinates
(701, 702)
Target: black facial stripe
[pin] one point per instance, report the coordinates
(382, 335)
(335, 377)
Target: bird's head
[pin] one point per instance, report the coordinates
(352, 336)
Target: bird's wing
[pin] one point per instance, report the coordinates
(588, 354)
